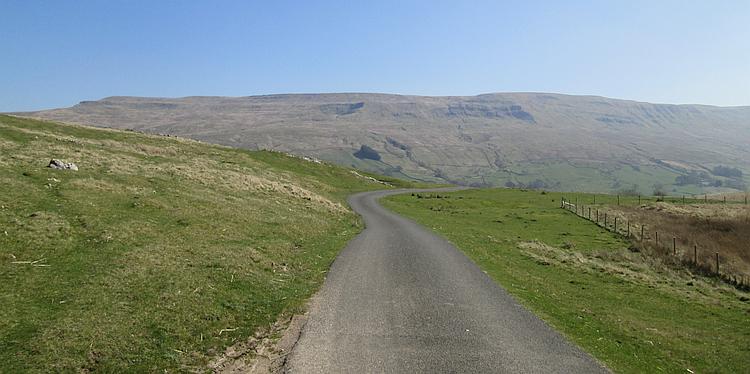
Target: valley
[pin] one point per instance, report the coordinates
(528, 140)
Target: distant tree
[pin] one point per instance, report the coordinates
(694, 177)
(726, 171)
(537, 184)
(630, 191)
(367, 153)
(736, 184)
(659, 190)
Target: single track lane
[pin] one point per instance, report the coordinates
(401, 299)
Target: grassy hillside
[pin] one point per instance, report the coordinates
(632, 311)
(537, 140)
(158, 252)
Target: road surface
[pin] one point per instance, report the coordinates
(400, 299)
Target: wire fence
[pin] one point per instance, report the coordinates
(593, 199)
(665, 246)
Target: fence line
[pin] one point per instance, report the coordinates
(684, 199)
(738, 281)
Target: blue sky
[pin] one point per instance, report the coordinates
(56, 53)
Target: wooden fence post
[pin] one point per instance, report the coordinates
(618, 199)
(657, 238)
(642, 232)
(605, 220)
(589, 213)
(639, 199)
(717, 263)
(674, 245)
(597, 216)
(615, 225)
(683, 199)
(594, 199)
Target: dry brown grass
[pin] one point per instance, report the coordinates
(711, 228)
(635, 267)
(734, 196)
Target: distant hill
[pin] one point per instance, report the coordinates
(537, 140)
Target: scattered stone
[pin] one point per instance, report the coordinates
(60, 165)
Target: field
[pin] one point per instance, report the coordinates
(633, 312)
(689, 232)
(158, 253)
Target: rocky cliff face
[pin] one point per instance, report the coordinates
(521, 139)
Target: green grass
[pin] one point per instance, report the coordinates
(159, 252)
(628, 310)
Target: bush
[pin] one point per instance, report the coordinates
(726, 171)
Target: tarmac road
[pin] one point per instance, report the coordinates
(400, 299)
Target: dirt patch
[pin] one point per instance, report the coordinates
(266, 352)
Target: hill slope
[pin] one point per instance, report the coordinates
(158, 252)
(540, 140)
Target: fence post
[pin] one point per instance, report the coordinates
(657, 238)
(618, 199)
(589, 213)
(705, 198)
(639, 199)
(605, 220)
(594, 199)
(642, 232)
(717, 263)
(725, 199)
(683, 199)
(615, 225)
(674, 245)
(597, 216)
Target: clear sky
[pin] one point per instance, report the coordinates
(56, 53)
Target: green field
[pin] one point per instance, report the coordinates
(159, 252)
(630, 311)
